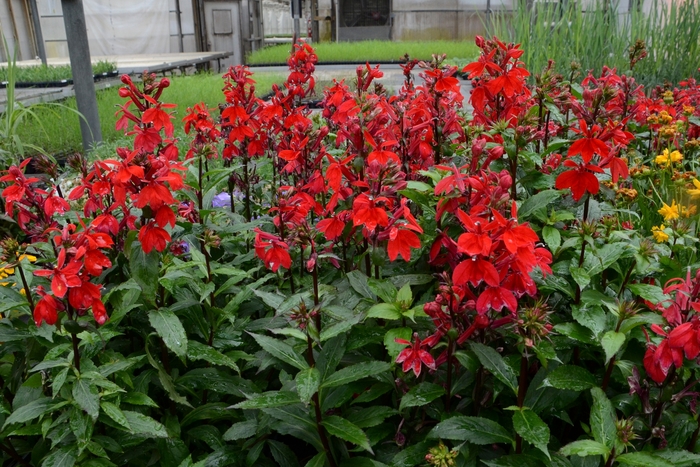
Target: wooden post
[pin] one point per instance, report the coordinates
(81, 66)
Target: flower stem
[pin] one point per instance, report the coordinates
(26, 287)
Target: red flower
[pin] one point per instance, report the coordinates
(414, 357)
(581, 180)
(272, 250)
(62, 277)
(588, 145)
(400, 243)
(46, 309)
(152, 236)
(367, 213)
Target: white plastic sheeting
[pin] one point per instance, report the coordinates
(121, 27)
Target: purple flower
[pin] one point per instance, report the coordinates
(179, 248)
(221, 200)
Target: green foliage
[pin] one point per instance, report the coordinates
(370, 51)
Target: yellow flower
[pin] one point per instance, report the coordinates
(669, 212)
(695, 193)
(668, 158)
(659, 235)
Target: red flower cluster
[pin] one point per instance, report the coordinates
(683, 317)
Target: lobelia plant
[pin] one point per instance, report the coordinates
(392, 282)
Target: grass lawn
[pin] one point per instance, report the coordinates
(59, 132)
(369, 51)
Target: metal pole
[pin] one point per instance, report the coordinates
(179, 25)
(36, 20)
(81, 67)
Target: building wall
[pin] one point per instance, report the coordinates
(15, 27)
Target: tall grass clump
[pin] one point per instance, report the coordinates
(603, 34)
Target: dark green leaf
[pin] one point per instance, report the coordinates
(653, 293)
(383, 289)
(580, 276)
(144, 270)
(281, 351)
(494, 363)
(531, 427)
(680, 458)
(283, 455)
(477, 430)
(359, 283)
(87, 397)
(64, 457)
(241, 430)
(421, 395)
(319, 460)
(571, 377)
(32, 410)
(355, 372)
(347, 431)
(268, 400)
(612, 342)
(144, 425)
(536, 202)
(170, 329)
(8, 334)
(308, 382)
(643, 459)
(115, 414)
(585, 448)
(198, 351)
(371, 416)
(603, 419)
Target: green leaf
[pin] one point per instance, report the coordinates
(115, 414)
(139, 398)
(8, 334)
(355, 372)
(358, 281)
(308, 382)
(198, 351)
(536, 202)
(552, 237)
(405, 296)
(347, 431)
(241, 430)
(612, 342)
(144, 270)
(268, 400)
(477, 430)
(421, 395)
(680, 458)
(32, 410)
(384, 311)
(282, 454)
(143, 425)
(319, 460)
(494, 363)
(580, 276)
(533, 430)
(370, 416)
(87, 397)
(571, 377)
(383, 289)
(392, 347)
(281, 351)
(653, 293)
(603, 419)
(643, 459)
(64, 457)
(585, 448)
(169, 328)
